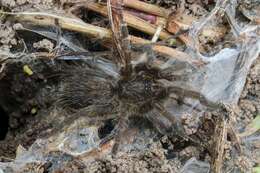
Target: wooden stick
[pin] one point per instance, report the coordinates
(172, 25)
(173, 22)
(72, 24)
(220, 137)
(157, 34)
(148, 8)
(131, 20)
(45, 19)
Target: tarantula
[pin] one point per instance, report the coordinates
(126, 87)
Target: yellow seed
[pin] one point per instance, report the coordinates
(172, 42)
(27, 70)
(34, 111)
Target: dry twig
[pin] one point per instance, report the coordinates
(46, 19)
(148, 8)
(131, 20)
(220, 136)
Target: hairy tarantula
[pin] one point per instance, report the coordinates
(103, 89)
(100, 92)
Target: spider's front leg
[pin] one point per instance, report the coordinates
(183, 91)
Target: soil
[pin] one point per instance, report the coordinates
(28, 111)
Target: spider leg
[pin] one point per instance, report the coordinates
(100, 110)
(176, 124)
(184, 92)
(93, 114)
(158, 121)
(116, 134)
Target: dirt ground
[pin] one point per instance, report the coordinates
(28, 106)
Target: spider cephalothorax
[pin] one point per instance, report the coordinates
(141, 86)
